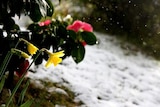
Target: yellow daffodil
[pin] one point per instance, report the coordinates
(25, 55)
(31, 48)
(20, 53)
(54, 58)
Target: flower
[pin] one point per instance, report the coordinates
(80, 26)
(24, 55)
(83, 43)
(68, 19)
(54, 58)
(31, 48)
(20, 53)
(22, 68)
(45, 23)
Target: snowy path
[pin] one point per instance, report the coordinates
(109, 76)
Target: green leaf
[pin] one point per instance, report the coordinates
(4, 64)
(20, 81)
(22, 94)
(50, 9)
(72, 34)
(89, 38)
(34, 27)
(61, 31)
(27, 103)
(78, 53)
(35, 13)
(2, 83)
(15, 27)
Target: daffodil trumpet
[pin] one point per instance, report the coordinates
(54, 58)
(30, 47)
(19, 53)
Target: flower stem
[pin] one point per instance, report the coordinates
(6, 61)
(20, 81)
(21, 39)
(17, 43)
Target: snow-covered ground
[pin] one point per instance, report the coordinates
(109, 76)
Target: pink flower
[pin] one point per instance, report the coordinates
(83, 43)
(45, 23)
(79, 25)
(22, 68)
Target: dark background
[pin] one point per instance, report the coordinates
(134, 21)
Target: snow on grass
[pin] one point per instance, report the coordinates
(108, 77)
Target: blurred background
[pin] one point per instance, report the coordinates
(134, 21)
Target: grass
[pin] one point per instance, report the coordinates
(44, 93)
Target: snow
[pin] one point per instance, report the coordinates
(109, 76)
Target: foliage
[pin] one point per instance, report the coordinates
(56, 35)
(43, 93)
(41, 40)
(45, 32)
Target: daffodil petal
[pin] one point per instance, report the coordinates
(57, 60)
(59, 54)
(32, 49)
(49, 62)
(54, 58)
(20, 53)
(25, 55)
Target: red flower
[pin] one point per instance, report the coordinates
(22, 68)
(45, 23)
(79, 25)
(84, 43)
